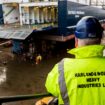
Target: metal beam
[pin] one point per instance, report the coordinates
(22, 97)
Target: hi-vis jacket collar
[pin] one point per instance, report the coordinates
(88, 51)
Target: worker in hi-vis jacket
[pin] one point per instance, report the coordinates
(81, 80)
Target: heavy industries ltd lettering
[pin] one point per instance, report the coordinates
(92, 79)
(102, 73)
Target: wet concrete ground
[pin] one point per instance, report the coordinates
(23, 78)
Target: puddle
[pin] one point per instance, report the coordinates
(2, 74)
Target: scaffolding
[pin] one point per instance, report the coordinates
(97, 2)
(90, 2)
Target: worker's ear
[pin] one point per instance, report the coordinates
(76, 42)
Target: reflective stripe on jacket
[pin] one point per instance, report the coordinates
(79, 81)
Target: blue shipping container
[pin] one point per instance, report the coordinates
(69, 13)
(1, 15)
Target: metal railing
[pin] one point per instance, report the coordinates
(5, 99)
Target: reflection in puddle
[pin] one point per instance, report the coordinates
(2, 74)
